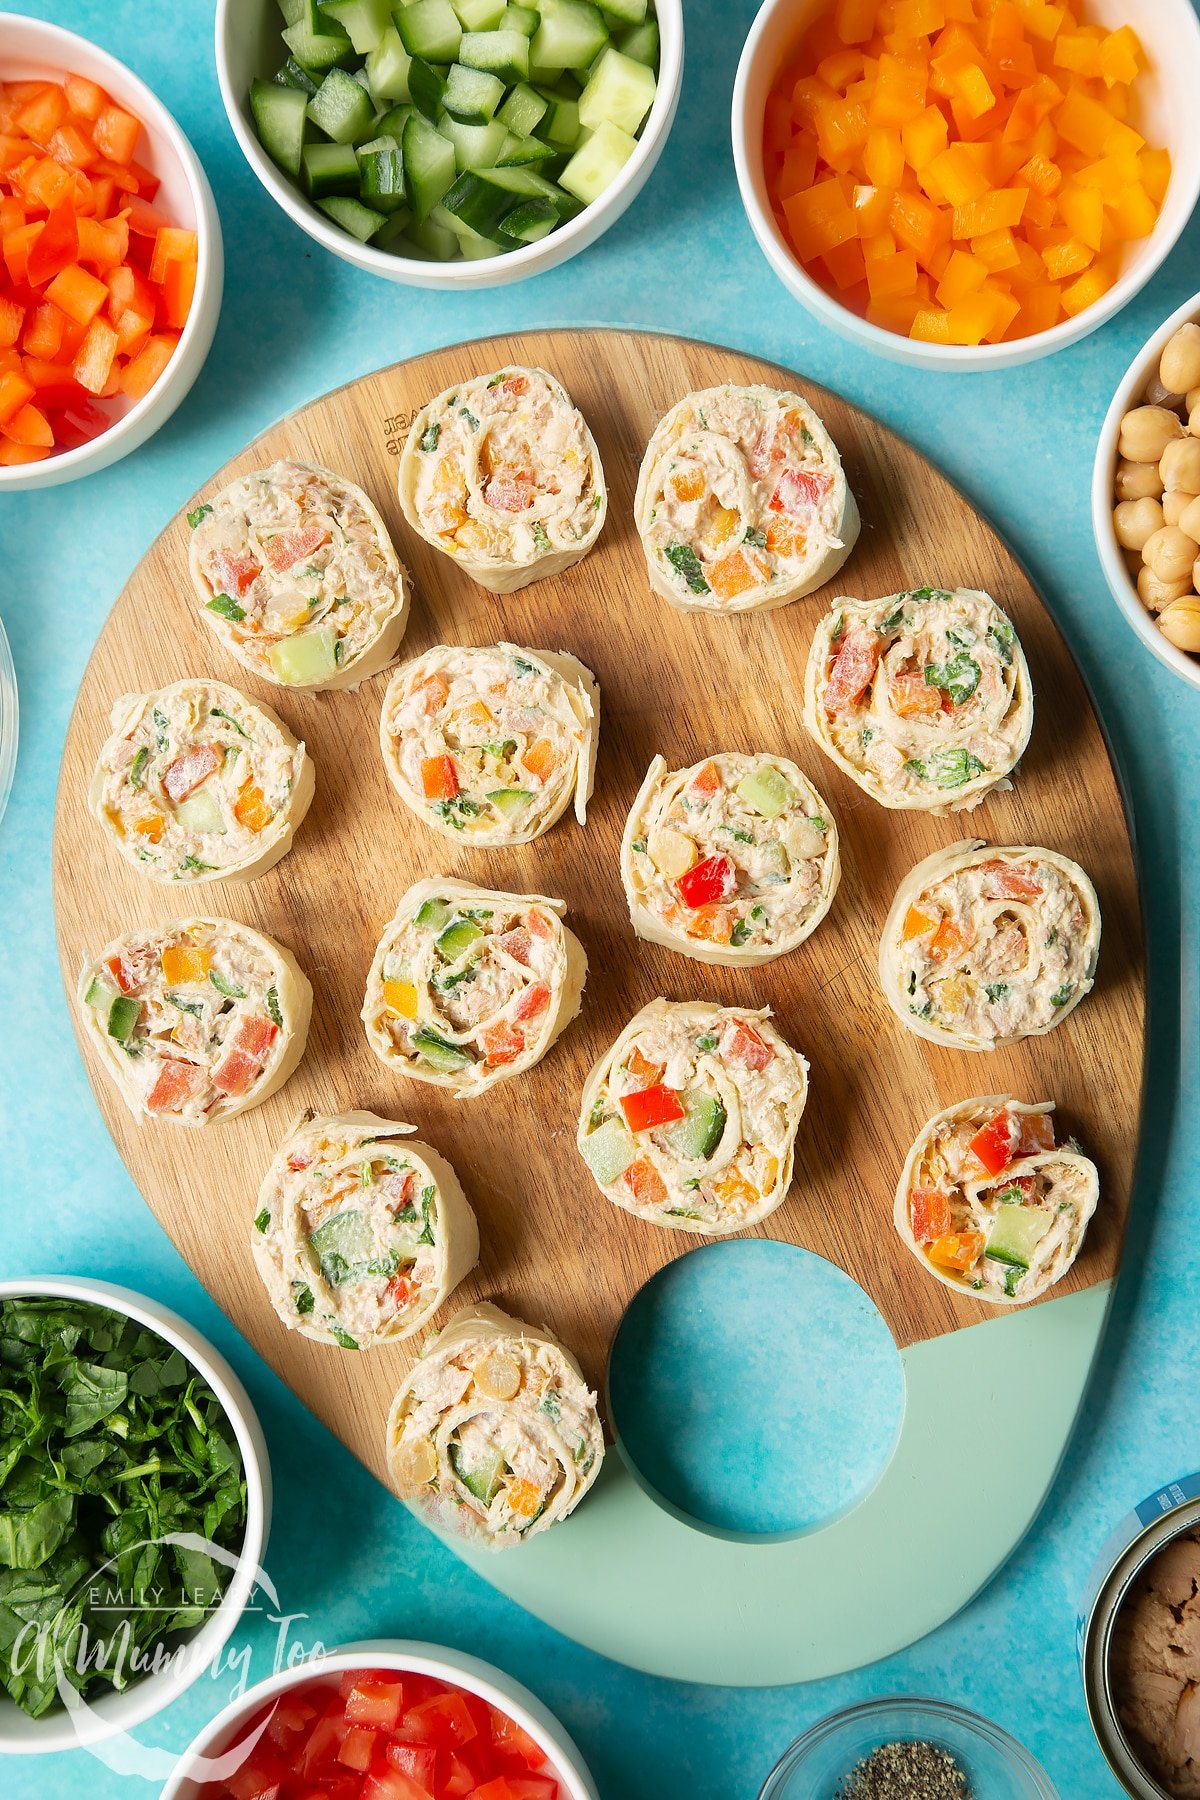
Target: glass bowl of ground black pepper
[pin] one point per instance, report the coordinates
(900, 1748)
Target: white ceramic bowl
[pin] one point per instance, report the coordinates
(114, 1712)
(1165, 112)
(248, 44)
(9, 720)
(492, 1685)
(30, 48)
(1130, 393)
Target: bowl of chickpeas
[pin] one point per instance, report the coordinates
(1146, 493)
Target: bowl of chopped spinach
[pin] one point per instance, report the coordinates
(135, 1497)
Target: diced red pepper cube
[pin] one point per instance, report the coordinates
(995, 1143)
(648, 1107)
(713, 879)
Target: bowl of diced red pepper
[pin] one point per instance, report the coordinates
(111, 263)
(384, 1721)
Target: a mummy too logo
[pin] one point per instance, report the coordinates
(146, 1614)
(396, 428)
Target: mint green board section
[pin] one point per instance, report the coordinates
(637, 1582)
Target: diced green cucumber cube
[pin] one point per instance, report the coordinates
(1017, 1233)
(279, 115)
(392, 123)
(524, 19)
(317, 42)
(341, 108)
(571, 35)
(292, 10)
(619, 90)
(363, 21)
(429, 29)
(429, 167)
(640, 43)
(483, 1480)
(426, 85)
(122, 1017)
(467, 243)
(362, 222)
(200, 813)
(608, 1151)
(433, 914)
(628, 12)
(457, 939)
(766, 790)
(597, 162)
(381, 174)
(312, 656)
(329, 169)
(387, 69)
(531, 221)
(388, 236)
(475, 146)
(697, 1136)
(342, 1244)
(501, 53)
(510, 801)
(561, 123)
(481, 198)
(472, 95)
(479, 15)
(293, 76)
(439, 1051)
(523, 109)
(525, 152)
(97, 993)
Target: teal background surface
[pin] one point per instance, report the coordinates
(296, 322)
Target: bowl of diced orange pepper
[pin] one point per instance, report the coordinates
(111, 263)
(967, 184)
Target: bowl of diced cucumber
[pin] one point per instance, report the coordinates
(451, 143)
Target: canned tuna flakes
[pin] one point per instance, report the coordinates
(1139, 1646)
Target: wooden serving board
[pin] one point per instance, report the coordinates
(553, 1250)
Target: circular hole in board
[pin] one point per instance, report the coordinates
(755, 1388)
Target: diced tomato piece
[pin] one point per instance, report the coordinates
(242, 1064)
(458, 1782)
(533, 1002)
(287, 548)
(122, 974)
(177, 1083)
(236, 573)
(1023, 1184)
(183, 776)
(416, 1760)
(798, 491)
(1008, 881)
(515, 943)
(539, 924)
(642, 1069)
(1036, 1133)
(995, 1143)
(322, 1746)
(398, 1293)
(393, 1784)
(116, 134)
(374, 1703)
(502, 1043)
(706, 781)
(439, 778)
(959, 1250)
(357, 1748)
(928, 1214)
(949, 941)
(256, 1034)
(449, 1716)
(648, 1107)
(747, 1047)
(852, 670)
(711, 880)
(514, 1740)
(85, 98)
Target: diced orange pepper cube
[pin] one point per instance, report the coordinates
(884, 158)
(890, 275)
(1040, 309)
(116, 134)
(1087, 125)
(840, 69)
(1041, 210)
(871, 207)
(964, 273)
(918, 18)
(846, 264)
(958, 175)
(85, 98)
(777, 124)
(918, 224)
(1135, 213)
(854, 20)
(1120, 56)
(94, 358)
(1087, 289)
(799, 166)
(819, 220)
(77, 293)
(972, 92)
(1155, 168)
(1082, 212)
(997, 250)
(931, 325)
(1003, 206)
(1039, 173)
(841, 131)
(185, 964)
(958, 1250)
(1078, 53)
(1040, 18)
(1066, 258)
(900, 89)
(925, 136)
(894, 312)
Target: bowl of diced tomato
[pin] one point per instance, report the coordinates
(111, 263)
(384, 1721)
(968, 185)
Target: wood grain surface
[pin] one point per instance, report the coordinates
(554, 1250)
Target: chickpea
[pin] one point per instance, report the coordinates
(1179, 365)
(1180, 465)
(1180, 623)
(1191, 400)
(1170, 553)
(1136, 521)
(1190, 520)
(1174, 504)
(1138, 481)
(1158, 395)
(1155, 594)
(1146, 432)
(1193, 424)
